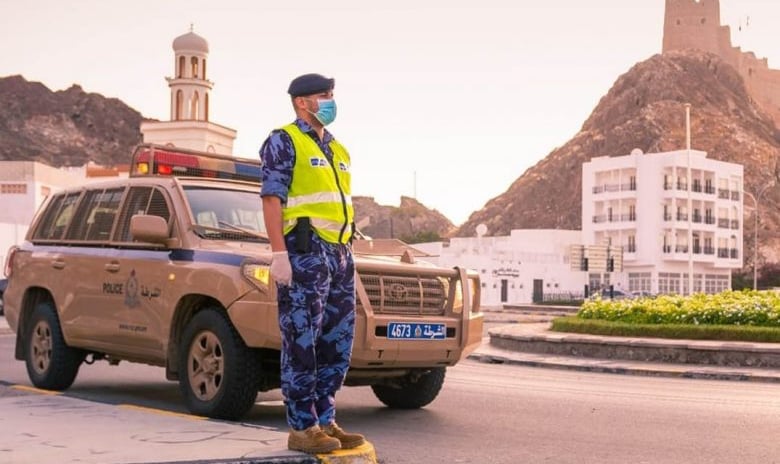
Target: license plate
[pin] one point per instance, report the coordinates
(416, 331)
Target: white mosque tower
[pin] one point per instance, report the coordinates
(189, 126)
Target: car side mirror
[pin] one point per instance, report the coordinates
(152, 229)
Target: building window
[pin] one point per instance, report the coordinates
(194, 62)
(194, 107)
(179, 105)
(181, 67)
(639, 282)
(631, 248)
(13, 189)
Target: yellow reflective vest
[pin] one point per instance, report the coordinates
(320, 188)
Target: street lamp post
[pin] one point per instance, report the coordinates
(688, 188)
(756, 200)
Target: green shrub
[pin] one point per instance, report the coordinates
(746, 307)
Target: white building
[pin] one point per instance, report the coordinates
(23, 187)
(526, 266)
(189, 126)
(666, 225)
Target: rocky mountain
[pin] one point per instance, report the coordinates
(645, 109)
(411, 221)
(64, 128)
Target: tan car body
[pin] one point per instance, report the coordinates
(130, 300)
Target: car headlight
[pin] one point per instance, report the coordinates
(457, 303)
(257, 274)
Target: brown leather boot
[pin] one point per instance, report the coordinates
(348, 440)
(312, 440)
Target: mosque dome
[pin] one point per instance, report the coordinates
(190, 42)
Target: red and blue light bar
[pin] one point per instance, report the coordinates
(150, 160)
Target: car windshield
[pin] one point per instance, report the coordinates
(224, 214)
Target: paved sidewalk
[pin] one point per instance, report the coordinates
(45, 427)
(40, 426)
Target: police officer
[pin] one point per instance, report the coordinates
(308, 213)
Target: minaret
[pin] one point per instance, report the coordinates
(189, 125)
(190, 88)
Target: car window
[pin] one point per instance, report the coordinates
(141, 200)
(94, 219)
(224, 208)
(57, 217)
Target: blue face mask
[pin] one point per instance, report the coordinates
(327, 111)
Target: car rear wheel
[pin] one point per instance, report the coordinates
(217, 372)
(51, 363)
(413, 392)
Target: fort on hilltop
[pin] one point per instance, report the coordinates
(696, 24)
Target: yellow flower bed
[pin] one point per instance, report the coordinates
(747, 307)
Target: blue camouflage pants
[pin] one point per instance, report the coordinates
(317, 323)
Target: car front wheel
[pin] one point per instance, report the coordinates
(414, 391)
(217, 372)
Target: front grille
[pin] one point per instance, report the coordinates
(408, 295)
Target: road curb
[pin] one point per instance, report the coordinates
(263, 460)
(608, 366)
(363, 454)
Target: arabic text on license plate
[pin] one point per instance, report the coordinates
(416, 331)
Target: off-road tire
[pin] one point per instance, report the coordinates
(412, 394)
(231, 389)
(51, 363)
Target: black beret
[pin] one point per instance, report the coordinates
(309, 84)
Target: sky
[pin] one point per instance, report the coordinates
(446, 101)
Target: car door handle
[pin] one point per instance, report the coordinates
(58, 264)
(112, 267)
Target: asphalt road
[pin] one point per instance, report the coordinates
(509, 414)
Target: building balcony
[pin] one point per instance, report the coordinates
(723, 252)
(629, 187)
(735, 195)
(700, 254)
(723, 223)
(724, 194)
(667, 216)
(682, 216)
(735, 224)
(709, 189)
(709, 220)
(630, 217)
(734, 253)
(697, 218)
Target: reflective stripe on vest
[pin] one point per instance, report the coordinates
(320, 197)
(320, 188)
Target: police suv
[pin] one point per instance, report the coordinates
(170, 267)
